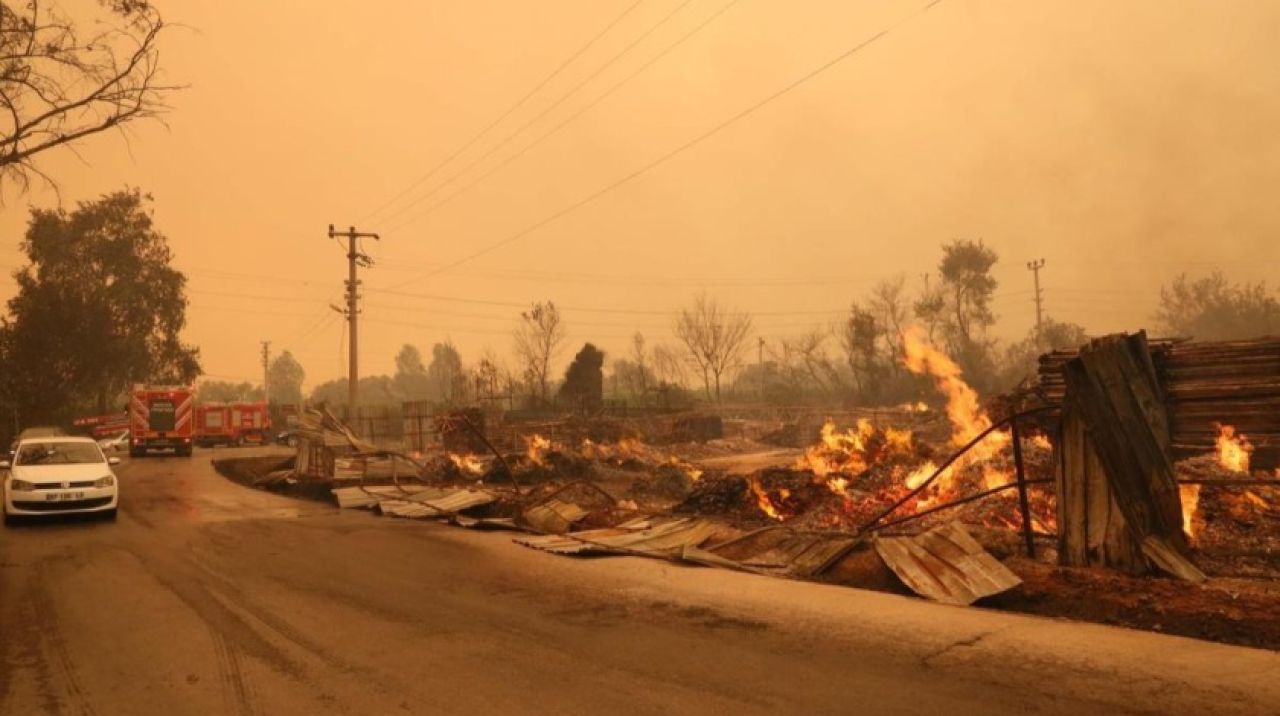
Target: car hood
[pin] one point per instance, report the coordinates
(41, 474)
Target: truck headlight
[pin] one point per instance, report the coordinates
(107, 481)
(20, 485)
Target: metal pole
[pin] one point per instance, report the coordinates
(1034, 267)
(353, 351)
(1022, 487)
(266, 362)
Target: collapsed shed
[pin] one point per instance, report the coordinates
(1131, 407)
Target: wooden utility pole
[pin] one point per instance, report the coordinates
(266, 372)
(354, 259)
(760, 366)
(1034, 267)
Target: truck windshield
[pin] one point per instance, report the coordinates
(57, 454)
(162, 415)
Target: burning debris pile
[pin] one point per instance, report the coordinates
(851, 476)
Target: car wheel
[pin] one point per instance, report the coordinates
(10, 520)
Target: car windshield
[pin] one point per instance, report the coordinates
(58, 454)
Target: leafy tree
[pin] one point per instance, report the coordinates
(98, 307)
(331, 393)
(221, 391)
(714, 336)
(284, 379)
(373, 389)
(968, 286)
(584, 379)
(411, 380)
(62, 81)
(537, 341)
(1022, 358)
(446, 379)
(1212, 309)
(861, 339)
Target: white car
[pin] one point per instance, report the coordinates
(59, 475)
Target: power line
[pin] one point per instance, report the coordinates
(540, 115)
(507, 113)
(748, 111)
(581, 111)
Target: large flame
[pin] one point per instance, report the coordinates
(1233, 450)
(968, 419)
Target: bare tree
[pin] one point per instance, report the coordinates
(889, 304)
(537, 340)
(811, 349)
(640, 355)
(714, 336)
(59, 85)
(668, 366)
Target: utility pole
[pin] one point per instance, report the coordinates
(354, 259)
(266, 362)
(1034, 267)
(760, 366)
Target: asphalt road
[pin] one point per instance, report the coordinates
(206, 597)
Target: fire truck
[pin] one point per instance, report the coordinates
(160, 418)
(232, 424)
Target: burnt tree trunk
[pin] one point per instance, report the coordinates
(1118, 499)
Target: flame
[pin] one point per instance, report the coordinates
(1257, 501)
(968, 419)
(854, 450)
(1233, 450)
(922, 473)
(765, 502)
(536, 448)
(469, 464)
(1190, 495)
(994, 477)
(1042, 441)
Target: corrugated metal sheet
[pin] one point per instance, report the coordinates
(659, 537)
(803, 555)
(946, 565)
(554, 516)
(434, 502)
(349, 497)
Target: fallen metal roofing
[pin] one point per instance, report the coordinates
(554, 516)
(430, 503)
(354, 497)
(665, 537)
(803, 555)
(946, 565)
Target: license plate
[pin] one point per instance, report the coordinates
(57, 497)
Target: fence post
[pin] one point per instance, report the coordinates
(1022, 487)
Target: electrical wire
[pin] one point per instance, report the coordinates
(431, 209)
(573, 90)
(507, 113)
(678, 150)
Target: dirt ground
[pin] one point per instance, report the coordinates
(1237, 531)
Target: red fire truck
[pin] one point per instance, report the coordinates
(232, 424)
(160, 418)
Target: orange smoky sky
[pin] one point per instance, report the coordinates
(1121, 142)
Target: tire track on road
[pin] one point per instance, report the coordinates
(50, 633)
